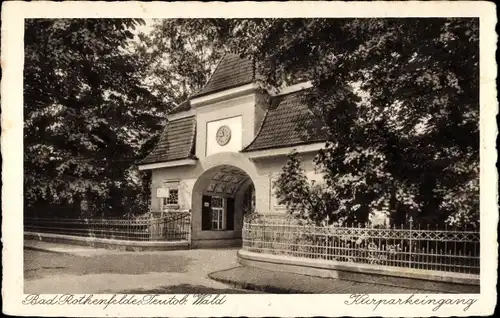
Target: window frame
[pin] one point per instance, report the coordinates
(165, 200)
(221, 215)
(172, 186)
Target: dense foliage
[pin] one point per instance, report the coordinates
(303, 199)
(87, 115)
(180, 55)
(96, 92)
(400, 99)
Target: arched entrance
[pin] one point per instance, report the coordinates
(221, 197)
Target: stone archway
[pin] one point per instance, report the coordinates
(218, 205)
(238, 160)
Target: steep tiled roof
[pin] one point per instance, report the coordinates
(232, 71)
(288, 122)
(176, 142)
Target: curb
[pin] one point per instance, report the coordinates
(323, 269)
(255, 287)
(41, 249)
(236, 282)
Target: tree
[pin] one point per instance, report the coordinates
(304, 199)
(180, 55)
(87, 115)
(400, 99)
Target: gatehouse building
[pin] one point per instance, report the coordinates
(221, 151)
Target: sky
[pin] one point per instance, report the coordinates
(144, 28)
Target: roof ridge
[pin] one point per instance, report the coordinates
(211, 75)
(232, 70)
(206, 83)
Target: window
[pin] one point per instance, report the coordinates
(173, 197)
(172, 201)
(217, 204)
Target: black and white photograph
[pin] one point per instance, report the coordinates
(183, 162)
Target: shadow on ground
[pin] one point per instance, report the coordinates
(39, 264)
(187, 289)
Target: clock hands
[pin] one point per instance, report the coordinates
(223, 135)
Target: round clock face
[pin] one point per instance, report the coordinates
(223, 135)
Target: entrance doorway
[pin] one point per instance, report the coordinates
(217, 213)
(221, 197)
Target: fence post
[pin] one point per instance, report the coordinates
(189, 227)
(411, 236)
(151, 227)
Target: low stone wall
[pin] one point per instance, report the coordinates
(122, 245)
(401, 277)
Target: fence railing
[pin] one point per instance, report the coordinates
(447, 250)
(171, 227)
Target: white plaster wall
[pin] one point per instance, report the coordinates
(269, 170)
(262, 101)
(234, 144)
(186, 176)
(242, 107)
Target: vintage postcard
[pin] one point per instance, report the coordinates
(249, 159)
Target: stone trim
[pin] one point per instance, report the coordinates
(175, 163)
(108, 243)
(273, 152)
(179, 115)
(293, 88)
(223, 95)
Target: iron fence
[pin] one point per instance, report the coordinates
(447, 250)
(170, 227)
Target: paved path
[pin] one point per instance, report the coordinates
(75, 269)
(57, 268)
(64, 248)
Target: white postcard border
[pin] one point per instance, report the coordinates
(13, 14)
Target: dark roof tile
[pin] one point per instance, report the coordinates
(288, 122)
(232, 71)
(176, 142)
